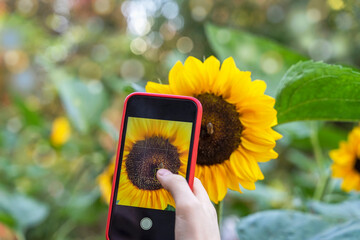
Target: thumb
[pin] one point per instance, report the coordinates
(176, 185)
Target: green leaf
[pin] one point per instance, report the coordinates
(110, 129)
(280, 225)
(349, 231)
(137, 87)
(31, 117)
(25, 211)
(83, 101)
(348, 210)
(265, 58)
(119, 85)
(170, 208)
(7, 219)
(319, 91)
(82, 207)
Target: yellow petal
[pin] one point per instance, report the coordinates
(158, 88)
(212, 68)
(61, 131)
(245, 166)
(209, 185)
(350, 182)
(178, 83)
(257, 140)
(232, 180)
(247, 185)
(341, 157)
(339, 171)
(221, 86)
(263, 156)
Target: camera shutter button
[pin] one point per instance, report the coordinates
(146, 223)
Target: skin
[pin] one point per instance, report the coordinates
(195, 215)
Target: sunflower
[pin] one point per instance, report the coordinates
(150, 145)
(236, 126)
(347, 161)
(61, 131)
(105, 181)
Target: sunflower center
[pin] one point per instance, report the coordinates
(146, 157)
(220, 130)
(357, 164)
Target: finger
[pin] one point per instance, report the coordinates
(176, 185)
(200, 192)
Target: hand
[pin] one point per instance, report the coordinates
(195, 215)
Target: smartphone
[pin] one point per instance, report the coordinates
(157, 131)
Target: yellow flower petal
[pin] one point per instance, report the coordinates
(263, 156)
(104, 181)
(60, 132)
(220, 86)
(212, 68)
(157, 88)
(247, 185)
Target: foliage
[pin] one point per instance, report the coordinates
(253, 53)
(280, 224)
(319, 91)
(90, 99)
(21, 210)
(80, 60)
(285, 224)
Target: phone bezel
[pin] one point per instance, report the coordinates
(193, 144)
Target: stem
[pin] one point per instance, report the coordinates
(64, 230)
(324, 178)
(322, 187)
(314, 138)
(219, 211)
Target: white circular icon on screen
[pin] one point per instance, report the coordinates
(146, 223)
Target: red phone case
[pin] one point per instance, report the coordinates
(194, 150)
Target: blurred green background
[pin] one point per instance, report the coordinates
(79, 59)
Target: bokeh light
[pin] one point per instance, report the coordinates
(184, 44)
(321, 49)
(103, 7)
(27, 7)
(275, 14)
(16, 60)
(336, 4)
(138, 46)
(271, 62)
(132, 70)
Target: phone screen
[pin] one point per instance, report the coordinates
(157, 132)
(151, 144)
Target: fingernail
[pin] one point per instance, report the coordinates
(163, 172)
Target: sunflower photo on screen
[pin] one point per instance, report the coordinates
(151, 144)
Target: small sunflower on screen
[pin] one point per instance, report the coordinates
(150, 145)
(236, 128)
(347, 161)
